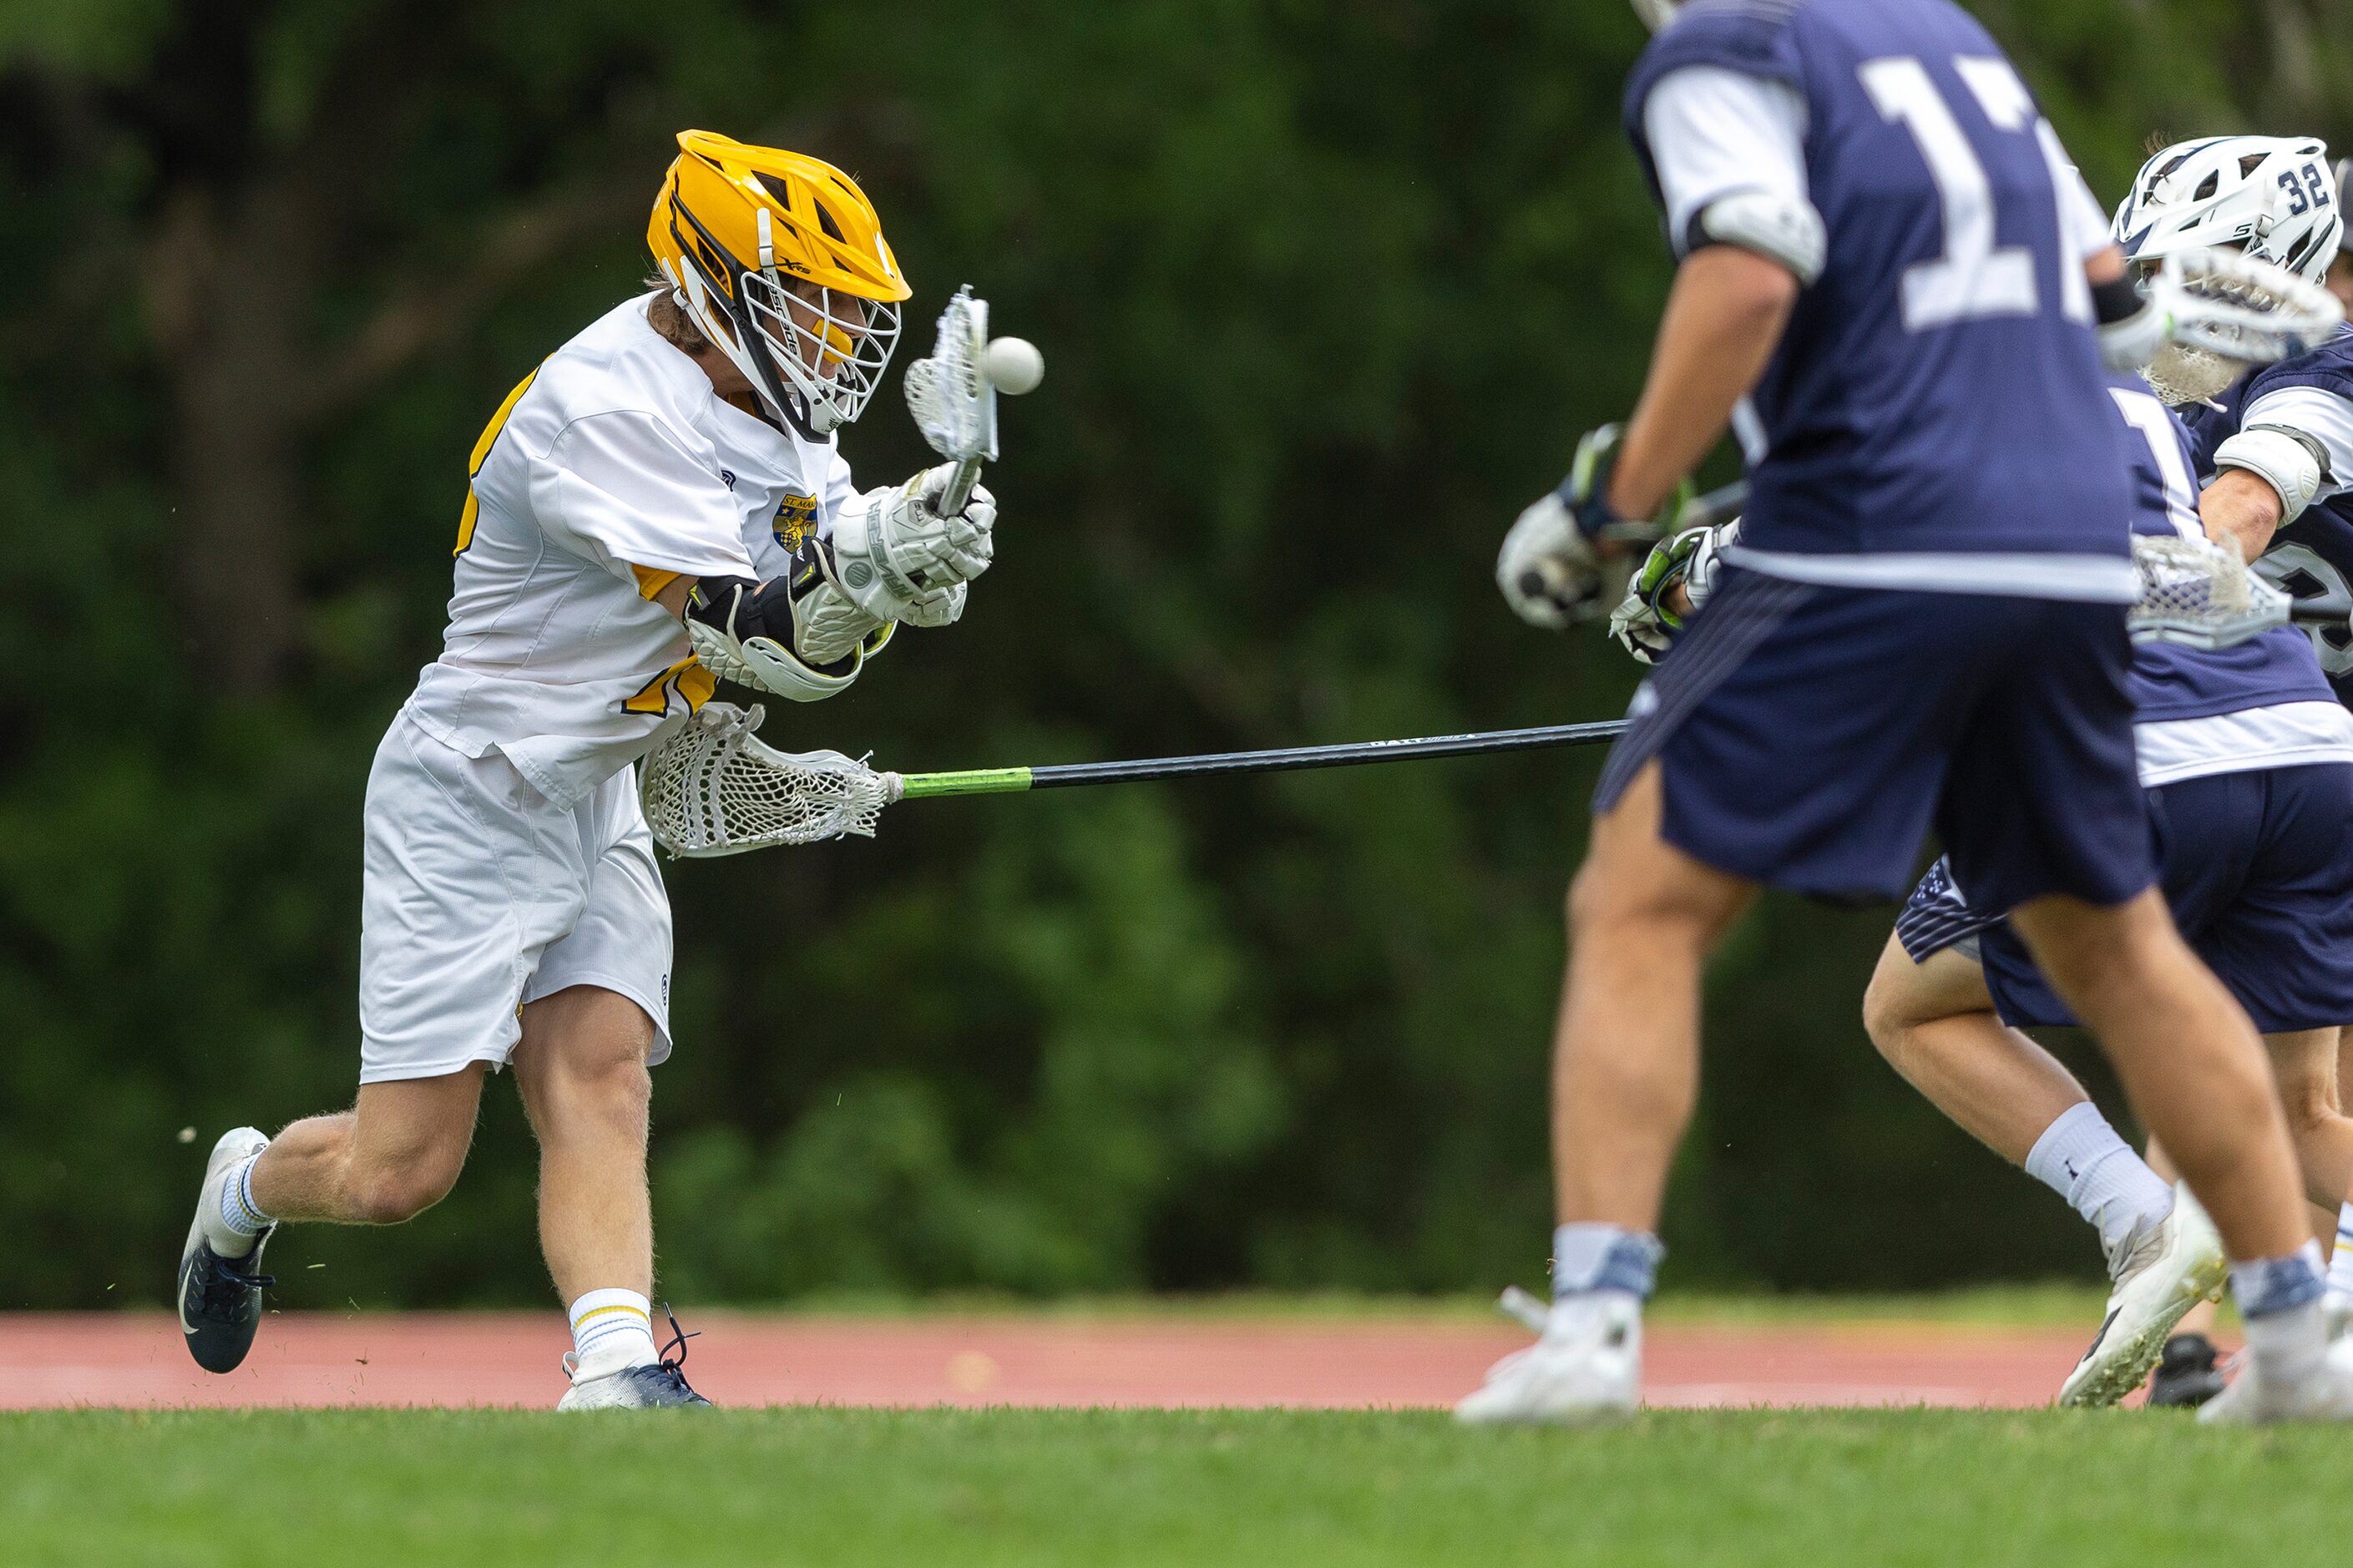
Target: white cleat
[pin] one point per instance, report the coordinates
(1589, 1368)
(2161, 1272)
(2254, 1400)
(613, 1383)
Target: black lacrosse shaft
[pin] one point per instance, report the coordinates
(1291, 759)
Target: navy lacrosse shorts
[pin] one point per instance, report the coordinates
(1808, 737)
(2258, 870)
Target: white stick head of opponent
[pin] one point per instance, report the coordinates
(2231, 311)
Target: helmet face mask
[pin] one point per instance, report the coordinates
(1657, 14)
(829, 347)
(780, 262)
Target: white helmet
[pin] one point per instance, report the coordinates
(2269, 196)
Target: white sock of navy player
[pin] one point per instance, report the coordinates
(240, 1218)
(612, 1331)
(2080, 1157)
(2279, 1299)
(1598, 1272)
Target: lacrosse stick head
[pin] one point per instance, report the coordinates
(949, 391)
(714, 788)
(2198, 593)
(2231, 311)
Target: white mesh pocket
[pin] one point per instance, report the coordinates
(2198, 593)
(714, 788)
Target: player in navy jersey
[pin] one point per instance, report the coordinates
(1889, 266)
(2249, 766)
(2279, 441)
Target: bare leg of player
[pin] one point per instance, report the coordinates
(1934, 1023)
(581, 1067)
(395, 1153)
(1642, 918)
(2304, 1063)
(1934, 1026)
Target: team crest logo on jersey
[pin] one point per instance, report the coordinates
(796, 520)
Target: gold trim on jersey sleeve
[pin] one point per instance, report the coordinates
(481, 454)
(650, 583)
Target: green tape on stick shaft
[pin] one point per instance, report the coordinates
(973, 780)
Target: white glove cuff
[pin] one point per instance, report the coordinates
(1706, 559)
(765, 665)
(2127, 345)
(2289, 460)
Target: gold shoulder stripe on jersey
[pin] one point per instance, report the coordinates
(482, 455)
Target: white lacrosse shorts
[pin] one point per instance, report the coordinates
(479, 895)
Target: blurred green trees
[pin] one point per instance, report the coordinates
(1326, 290)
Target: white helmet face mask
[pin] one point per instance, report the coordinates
(830, 351)
(1657, 14)
(2270, 197)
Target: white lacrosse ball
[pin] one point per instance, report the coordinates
(1013, 365)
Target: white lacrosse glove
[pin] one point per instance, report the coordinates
(940, 609)
(894, 552)
(1550, 569)
(1645, 621)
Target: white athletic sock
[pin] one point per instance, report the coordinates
(615, 1329)
(1597, 1266)
(2279, 1299)
(241, 1218)
(2080, 1157)
(2340, 1262)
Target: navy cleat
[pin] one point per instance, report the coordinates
(220, 1297)
(2186, 1374)
(632, 1387)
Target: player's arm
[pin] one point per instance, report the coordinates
(891, 560)
(1729, 153)
(2293, 446)
(2241, 512)
(1724, 319)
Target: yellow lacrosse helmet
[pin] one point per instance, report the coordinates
(780, 259)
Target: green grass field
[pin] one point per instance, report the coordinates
(838, 1487)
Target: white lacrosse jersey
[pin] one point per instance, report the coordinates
(613, 469)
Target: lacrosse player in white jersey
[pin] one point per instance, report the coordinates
(659, 504)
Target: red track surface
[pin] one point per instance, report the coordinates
(137, 1360)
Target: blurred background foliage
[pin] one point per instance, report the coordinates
(1326, 290)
